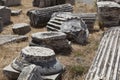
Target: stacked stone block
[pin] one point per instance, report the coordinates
(1, 24)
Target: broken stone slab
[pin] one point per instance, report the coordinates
(54, 40)
(10, 2)
(21, 28)
(5, 14)
(31, 72)
(39, 17)
(16, 12)
(69, 23)
(108, 13)
(105, 65)
(4, 39)
(44, 60)
(10, 73)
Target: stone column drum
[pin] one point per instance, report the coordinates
(49, 66)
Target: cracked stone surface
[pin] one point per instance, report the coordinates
(21, 28)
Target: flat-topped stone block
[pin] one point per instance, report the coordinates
(5, 14)
(54, 40)
(21, 28)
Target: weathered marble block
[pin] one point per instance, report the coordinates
(40, 17)
(69, 23)
(21, 28)
(35, 61)
(54, 40)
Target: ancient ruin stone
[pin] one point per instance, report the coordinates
(4, 39)
(39, 17)
(21, 28)
(108, 13)
(106, 63)
(16, 12)
(10, 2)
(54, 40)
(1, 24)
(47, 3)
(72, 25)
(42, 57)
(10, 73)
(89, 19)
(31, 72)
(5, 14)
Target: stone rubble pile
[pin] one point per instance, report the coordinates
(5, 14)
(39, 17)
(106, 64)
(54, 40)
(108, 13)
(72, 25)
(47, 3)
(10, 2)
(21, 28)
(48, 67)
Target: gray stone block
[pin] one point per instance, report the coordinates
(4, 39)
(31, 72)
(39, 17)
(69, 23)
(108, 13)
(21, 28)
(5, 14)
(54, 40)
